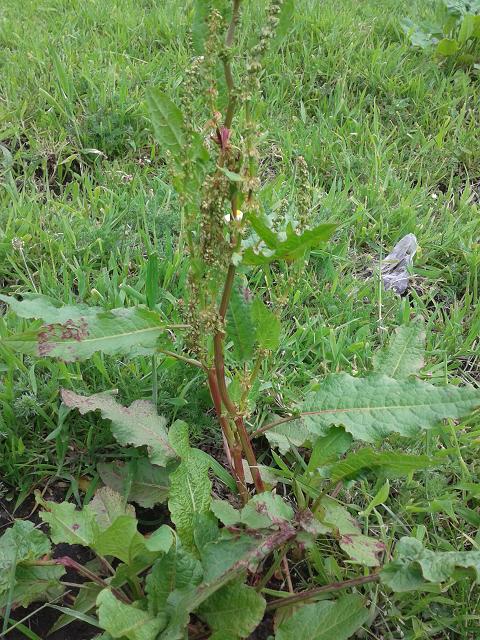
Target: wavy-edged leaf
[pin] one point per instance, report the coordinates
(167, 123)
(325, 620)
(390, 463)
(235, 610)
(108, 505)
(418, 35)
(240, 327)
(414, 566)
(371, 408)
(21, 542)
(139, 424)
(263, 511)
(404, 355)
(36, 305)
(133, 331)
(190, 486)
(33, 584)
(138, 481)
(122, 620)
(293, 433)
(121, 540)
(287, 246)
(267, 325)
(223, 561)
(337, 520)
(68, 524)
(177, 571)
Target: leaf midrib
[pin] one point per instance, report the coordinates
(110, 336)
(385, 407)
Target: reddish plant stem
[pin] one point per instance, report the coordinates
(70, 563)
(222, 386)
(286, 570)
(249, 454)
(232, 449)
(232, 100)
(271, 425)
(238, 462)
(328, 588)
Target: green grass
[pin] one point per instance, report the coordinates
(391, 139)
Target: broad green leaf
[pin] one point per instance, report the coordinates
(68, 524)
(225, 512)
(20, 542)
(121, 540)
(108, 505)
(414, 566)
(336, 517)
(390, 463)
(294, 433)
(23, 541)
(138, 424)
(264, 510)
(139, 481)
(205, 530)
(418, 35)
(177, 571)
(362, 549)
(33, 584)
(51, 311)
(130, 332)
(167, 123)
(289, 246)
(329, 448)
(404, 355)
(268, 475)
(179, 438)
(160, 540)
(326, 620)
(240, 327)
(221, 555)
(447, 47)
(235, 610)
(267, 325)
(370, 408)
(223, 562)
(190, 486)
(122, 620)
(339, 522)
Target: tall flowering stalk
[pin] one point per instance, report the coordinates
(215, 172)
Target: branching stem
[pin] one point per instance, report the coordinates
(70, 563)
(328, 588)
